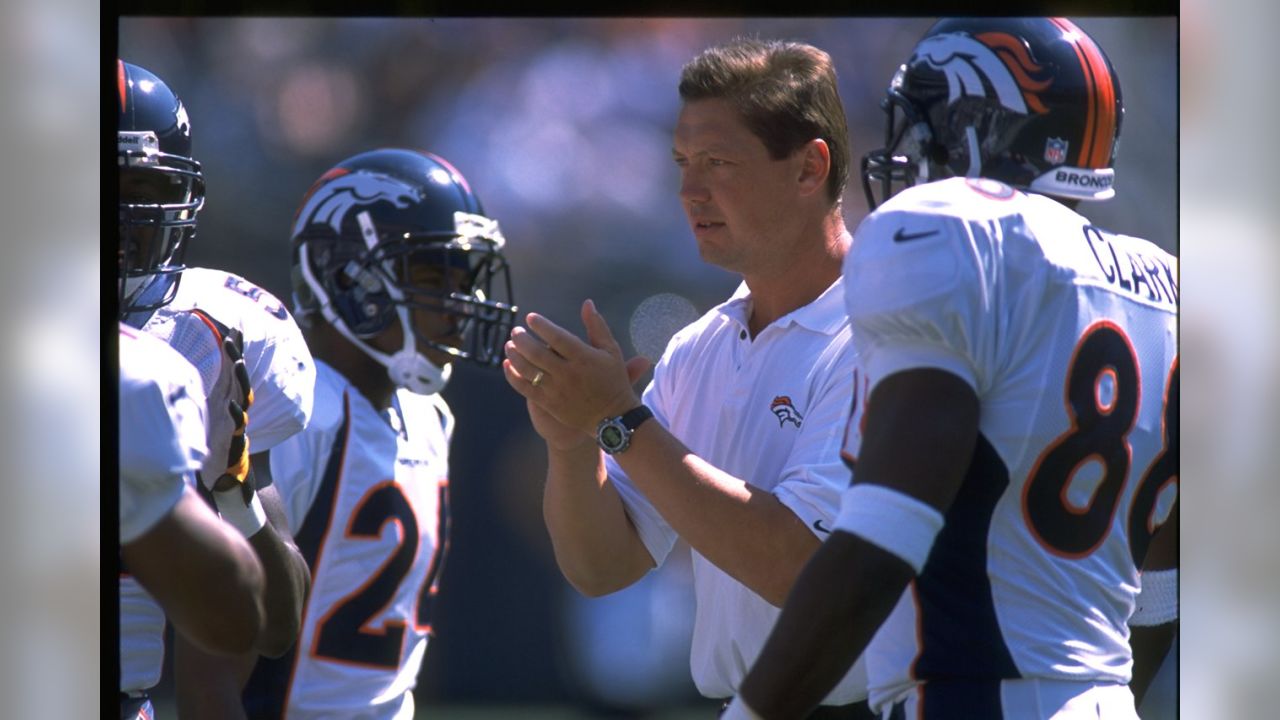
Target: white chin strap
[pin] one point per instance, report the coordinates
(407, 367)
(410, 370)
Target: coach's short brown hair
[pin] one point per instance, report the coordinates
(786, 93)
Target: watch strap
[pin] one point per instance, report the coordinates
(632, 418)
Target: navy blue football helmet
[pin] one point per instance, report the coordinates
(161, 189)
(1031, 102)
(368, 232)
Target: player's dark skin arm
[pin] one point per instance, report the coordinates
(1151, 644)
(919, 440)
(203, 574)
(288, 579)
(208, 686)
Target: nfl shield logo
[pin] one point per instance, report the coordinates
(1055, 151)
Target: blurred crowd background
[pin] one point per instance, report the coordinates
(563, 127)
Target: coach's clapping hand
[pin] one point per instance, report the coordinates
(571, 384)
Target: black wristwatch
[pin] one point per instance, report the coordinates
(613, 435)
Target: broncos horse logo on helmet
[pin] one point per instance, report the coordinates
(343, 190)
(991, 62)
(1030, 102)
(361, 231)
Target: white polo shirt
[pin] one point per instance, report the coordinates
(772, 412)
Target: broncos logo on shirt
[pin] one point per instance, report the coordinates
(996, 60)
(355, 190)
(786, 411)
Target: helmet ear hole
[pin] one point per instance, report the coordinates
(361, 299)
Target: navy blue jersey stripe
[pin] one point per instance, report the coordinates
(316, 525)
(962, 701)
(959, 632)
(267, 691)
(265, 694)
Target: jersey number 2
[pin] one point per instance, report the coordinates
(345, 634)
(1103, 391)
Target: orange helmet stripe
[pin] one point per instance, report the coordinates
(1100, 126)
(120, 81)
(1105, 129)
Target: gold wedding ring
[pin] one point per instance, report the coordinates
(537, 378)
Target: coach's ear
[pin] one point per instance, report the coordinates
(814, 166)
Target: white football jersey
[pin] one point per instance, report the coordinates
(1068, 335)
(161, 421)
(366, 493)
(282, 375)
(162, 444)
(280, 367)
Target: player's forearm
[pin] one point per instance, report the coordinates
(287, 583)
(743, 530)
(839, 601)
(596, 546)
(207, 687)
(204, 575)
(1150, 643)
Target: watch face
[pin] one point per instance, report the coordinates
(611, 436)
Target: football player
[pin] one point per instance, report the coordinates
(194, 310)
(202, 572)
(397, 272)
(1014, 434)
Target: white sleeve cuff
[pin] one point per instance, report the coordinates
(1157, 602)
(891, 520)
(248, 519)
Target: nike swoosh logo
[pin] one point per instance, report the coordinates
(901, 236)
(817, 525)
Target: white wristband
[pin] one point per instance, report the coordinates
(248, 519)
(1157, 603)
(890, 520)
(738, 709)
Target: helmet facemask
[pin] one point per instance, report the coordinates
(458, 284)
(464, 282)
(160, 196)
(909, 147)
